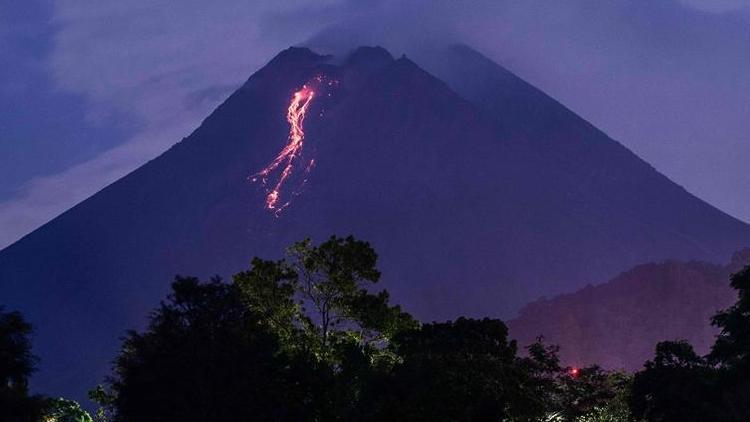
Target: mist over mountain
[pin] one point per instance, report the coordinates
(479, 192)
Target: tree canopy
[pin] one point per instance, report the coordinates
(679, 385)
(309, 337)
(17, 363)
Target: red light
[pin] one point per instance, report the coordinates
(285, 162)
(296, 117)
(574, 372)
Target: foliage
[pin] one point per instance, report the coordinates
(16, 360)
(615, 408)
(17, 363)
(575, 394)
(318, 299)
(288, 340)
(62, 410)
(680, 385)
(543, 367)
(203, 357)
(616, 411)
(591, 391)
(677, 385)
(731, 352)
(458, 370)
(106, 401)
(308, 338)
(732, 347)
(318, 304)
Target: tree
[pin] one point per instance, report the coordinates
(203, 357)
(63, 410)
(731, 351)
(332, 283)
(288, 340)
(17, 363)
(574, 394)
(464, 370)
(588, 391)
(309, 338)
(318, 302)
(106, 401)
(732, 346)
(678, 385)
(542, 364)
(616, 410)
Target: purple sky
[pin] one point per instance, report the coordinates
(90, 89)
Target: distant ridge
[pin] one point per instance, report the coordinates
(617, 324)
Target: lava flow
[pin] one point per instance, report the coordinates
(291, 152)
(287, 160)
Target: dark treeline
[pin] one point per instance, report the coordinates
(310, 338)
(679, 385)
(17, 363)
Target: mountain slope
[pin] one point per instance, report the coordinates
(470, 214)
(617, 324)
(615, 208)
(573, 149)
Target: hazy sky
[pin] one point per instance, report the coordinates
(90, 89)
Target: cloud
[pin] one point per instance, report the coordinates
(46, 197)
(668, 79)
(718, 6)
(161, 65)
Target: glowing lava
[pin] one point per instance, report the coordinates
(288, 159)
(292, 151)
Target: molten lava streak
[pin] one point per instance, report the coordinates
(291, 152)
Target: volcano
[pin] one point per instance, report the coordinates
(479, 192)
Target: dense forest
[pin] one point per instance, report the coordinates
(312, 338)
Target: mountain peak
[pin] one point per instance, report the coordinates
(369, 56)
(298, 53)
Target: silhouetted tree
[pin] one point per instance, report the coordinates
(465, 370)
(678, 385)
(204, 357)
(731, 351)
(732, 346)
(17, 363)
(319, 304)
(288, 340)
(574, 394)
(307, 338)
(589, 390)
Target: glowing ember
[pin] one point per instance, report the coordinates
(296, 117)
